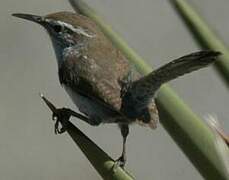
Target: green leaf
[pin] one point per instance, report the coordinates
(97, 157)
(192, 135)
(103, 163)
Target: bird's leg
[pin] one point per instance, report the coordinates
(62, 116)
(121, 161)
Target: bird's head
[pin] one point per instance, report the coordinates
(65, 28)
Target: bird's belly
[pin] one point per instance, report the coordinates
(90, 108)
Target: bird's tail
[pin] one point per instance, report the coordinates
(141, 92)
(183, 65)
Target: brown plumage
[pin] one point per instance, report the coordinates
(99, 79)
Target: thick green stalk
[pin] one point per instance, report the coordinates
(97, 157)
(194, 138)
(205, 37)
(103, 163)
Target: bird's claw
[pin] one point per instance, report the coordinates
(120, 162)
(60, 116)
(57, 128)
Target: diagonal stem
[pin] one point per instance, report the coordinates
(100, 160)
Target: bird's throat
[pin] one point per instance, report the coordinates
(63, 51)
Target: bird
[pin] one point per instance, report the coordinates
(101, 82)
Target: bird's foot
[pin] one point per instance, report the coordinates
(120, 162)
(61, 116)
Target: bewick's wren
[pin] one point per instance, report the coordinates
(99, 79)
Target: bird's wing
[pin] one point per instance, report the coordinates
(141, 92)
(96, 80)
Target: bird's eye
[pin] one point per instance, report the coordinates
(57, 28)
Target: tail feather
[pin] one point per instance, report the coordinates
(141, 92)
(181, 66)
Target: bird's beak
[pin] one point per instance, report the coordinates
(30, 17)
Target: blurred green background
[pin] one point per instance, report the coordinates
(28, 147)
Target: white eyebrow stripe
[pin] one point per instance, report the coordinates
(78, 30)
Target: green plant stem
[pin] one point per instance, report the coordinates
(204, 36)
(194, 138)
(103, 163)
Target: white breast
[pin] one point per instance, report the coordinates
(88, 107)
